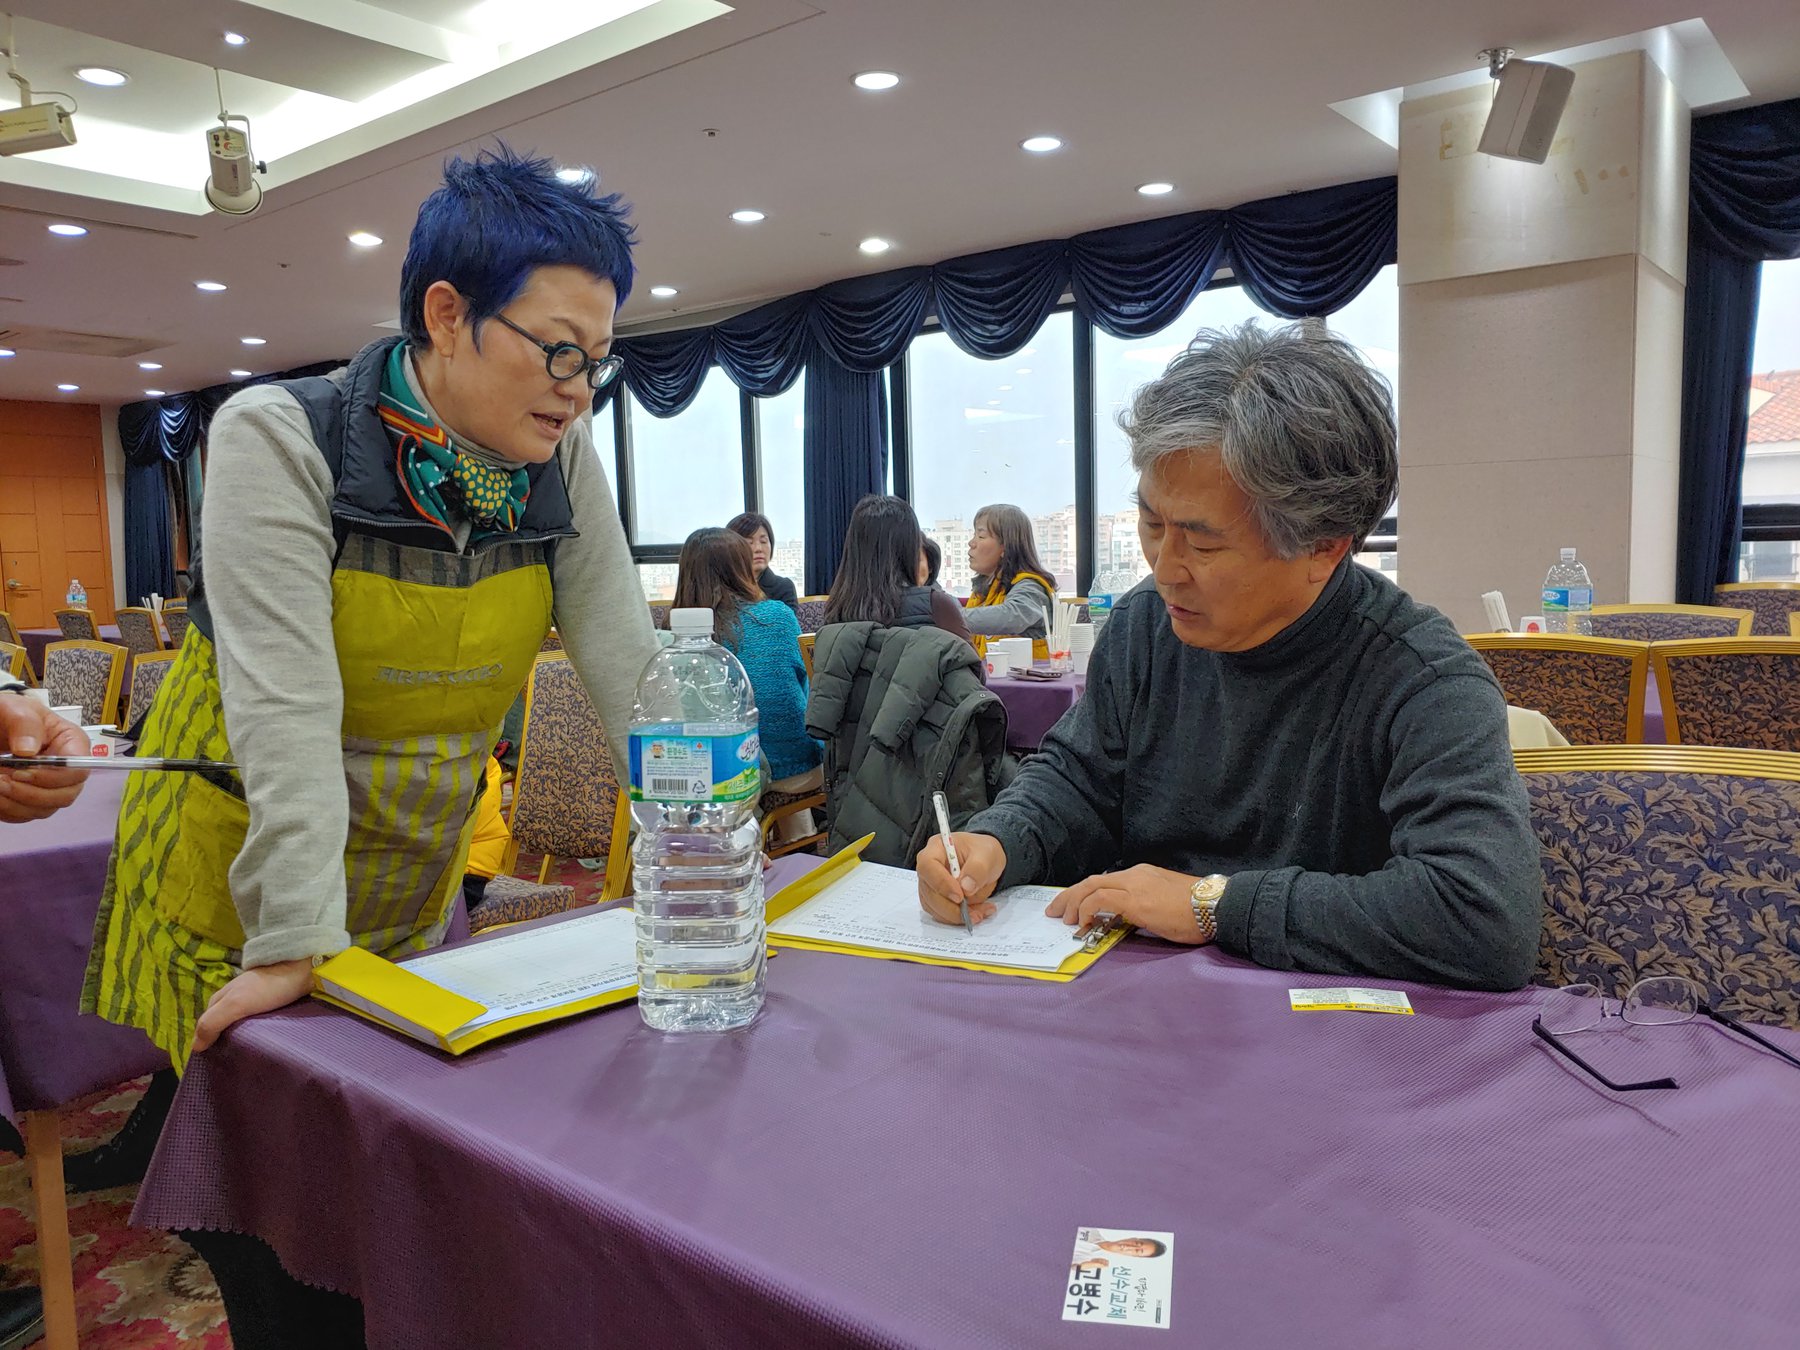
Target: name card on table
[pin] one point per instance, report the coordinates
(1121, 1276)
(1350, 1000)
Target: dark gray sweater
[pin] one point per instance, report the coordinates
(1352, 776)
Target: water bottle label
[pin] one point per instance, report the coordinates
(1099, 607)
(1581, 597)
(690, 763)
(1556, 599)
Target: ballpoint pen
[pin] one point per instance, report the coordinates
(123, 763)
(943, 815)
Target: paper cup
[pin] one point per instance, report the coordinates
(1532, 623)
(70, 713)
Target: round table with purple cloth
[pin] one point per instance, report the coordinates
(1034, 706)
(899, 1155)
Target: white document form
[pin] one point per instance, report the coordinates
(539, 968)
(878, 906)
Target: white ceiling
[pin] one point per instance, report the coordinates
(1229, 103)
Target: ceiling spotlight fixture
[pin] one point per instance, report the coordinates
(253, 342)
(874, 246)
(876, 80)
(363, 239)
(154, 393)
(68, 231)
(68, 388)
(235, 39)
(149, 365)
(239, 374)
(575, 175)
(747, 217)
(1155, 189)
(104, 76)
(664, 292)
(1040, 145)
(209, 285)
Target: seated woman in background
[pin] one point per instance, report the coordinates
(754, 526)
(715, 573)
(931, 561)
(1012, 592)
(881, 576)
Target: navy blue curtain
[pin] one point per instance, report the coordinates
(1743, 210)
(844, 449)
(149, 531)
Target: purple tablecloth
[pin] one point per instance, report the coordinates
(899, 1155)
(36, 639)
(51, 875)
(1034, 706)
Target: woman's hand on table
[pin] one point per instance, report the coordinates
(258, 990)
(27, 727)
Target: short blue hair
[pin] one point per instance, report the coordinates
(495, 221)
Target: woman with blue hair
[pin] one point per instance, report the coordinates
(386, 548)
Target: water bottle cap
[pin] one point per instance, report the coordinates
(1568, 555)
(691, 622)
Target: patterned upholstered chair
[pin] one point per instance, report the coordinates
(1669, 623)
(811, 611)
(659, 613)
(513, 900)
(1671, 860)
(175, 619)
(778, 806)
(13, 662)
(88, 674)
(148, 671)
(552, 642)
(9, 631)
(567, 802)
(806, 650)
(1591, 688)
(1794, 625)
(138, 630)
(1742, 692)
(77, 625)
(1774, 603)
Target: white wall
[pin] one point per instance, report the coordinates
(113, 457)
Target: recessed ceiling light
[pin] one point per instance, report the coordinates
(68, 231)
(240, 374)
(154, 393)
(104, 76)
(6, 352)
(993, 403)
(1040, 145)
(68, 388)
(235, 39)
(664, 292)
(1024, 370)
(209, 285)
(1155, 189)
(747, 217)
(576, 175)
(149, 365)
(874, 246)
(1006, 389)
(253, 342)
(876, 80)
(363, 239)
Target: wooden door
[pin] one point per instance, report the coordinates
(53, 519)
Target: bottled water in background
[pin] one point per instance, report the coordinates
(1568, 597)
(77, 596)
(696, 774)
(1107, 587)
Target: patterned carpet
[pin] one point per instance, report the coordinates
(135, 1289)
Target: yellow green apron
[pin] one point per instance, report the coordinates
(432, 649)
(996, 593)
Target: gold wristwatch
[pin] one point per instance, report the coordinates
(1205, 897)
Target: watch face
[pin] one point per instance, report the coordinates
(1211, 888)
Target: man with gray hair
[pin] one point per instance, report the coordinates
(1278, 750)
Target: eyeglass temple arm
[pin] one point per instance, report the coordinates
(1537, 1028)
(1725, 1020)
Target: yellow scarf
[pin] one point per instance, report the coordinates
(996, 594)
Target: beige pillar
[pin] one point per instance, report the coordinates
(1540, 336)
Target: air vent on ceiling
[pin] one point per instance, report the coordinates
(75, 344)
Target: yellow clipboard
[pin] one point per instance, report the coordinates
(797, 892)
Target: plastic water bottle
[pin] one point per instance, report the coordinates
(1568, 597)
(1106, 588)
(77, 596)
(696, 774)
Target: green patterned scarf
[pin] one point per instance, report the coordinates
(442, 481)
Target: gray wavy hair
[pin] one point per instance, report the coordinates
(1304, 425)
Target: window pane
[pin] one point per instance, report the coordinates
(688, 470)
(781, 422)
(985, 432)
(1372, 323)
(658, 580)
(1772, 440)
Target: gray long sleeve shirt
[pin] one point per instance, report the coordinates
(1024, 613)
(1351, 776)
